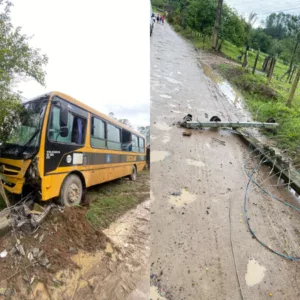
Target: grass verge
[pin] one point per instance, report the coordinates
(269, 100)
(110, 200)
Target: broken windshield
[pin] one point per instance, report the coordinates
(26, 136)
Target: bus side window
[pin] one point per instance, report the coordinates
(142, 145)
(98, 133)
(54, 127)
(135, 143)
(78, 130)
(113, 137)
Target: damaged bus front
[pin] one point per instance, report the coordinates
(19, 156)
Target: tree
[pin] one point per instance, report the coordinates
(145, 131)
(17, 60)
(217, 24)
(126, 122)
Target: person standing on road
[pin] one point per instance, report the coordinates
(163, 19)
(157, 18)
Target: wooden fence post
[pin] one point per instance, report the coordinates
(271, 69)
(292, 74)
(293, 89)
(255, 63)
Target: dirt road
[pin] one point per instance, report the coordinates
(200, 245)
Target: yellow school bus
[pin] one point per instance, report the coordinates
(61, 147)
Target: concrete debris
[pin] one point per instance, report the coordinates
(30, 256)
(72, 250)
(175, 194)
(20, 248)
(187, 133)
(35, 252)
(41, 238)
(29, 215)
(3, 253)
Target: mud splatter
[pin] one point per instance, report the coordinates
(196, 163)
(176, 111)
(158, 156)
(255, 273)
(172, 80)
(163, 126)
(166, 139)
(185, 198)
(166, 96)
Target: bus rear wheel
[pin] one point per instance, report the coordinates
(133, 174)
(71, 191)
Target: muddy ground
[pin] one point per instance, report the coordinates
(67, 258)
(201, 247)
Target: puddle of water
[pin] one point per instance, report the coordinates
(156, 75)
(255, 273)
(172, 80)
(196, 163)
(153, 137)
(172, 105)
(189, 106)
(178, 73)
(154, 295)
(166, 96)
(208, 71)
(208, 145)
(163, 126)
(176, 111)
(231, 94)
(166, 139)
(184, 198)
(156, 156)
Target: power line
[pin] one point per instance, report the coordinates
(276, 11)
(250, 2)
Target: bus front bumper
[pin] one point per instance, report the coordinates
(12, 174)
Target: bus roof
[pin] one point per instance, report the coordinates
(91, 110)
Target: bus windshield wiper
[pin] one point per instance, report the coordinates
(25, 146)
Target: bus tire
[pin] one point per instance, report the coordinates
(133, 174)
(71, 191)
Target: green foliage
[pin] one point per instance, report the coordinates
(17, 60)
(263, 106)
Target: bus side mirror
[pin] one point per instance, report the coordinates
(63, 117)
(64, 131)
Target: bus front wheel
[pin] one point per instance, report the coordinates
(71, 191)
(133, 174)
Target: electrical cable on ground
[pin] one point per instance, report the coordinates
(292, 258)
(236, 271)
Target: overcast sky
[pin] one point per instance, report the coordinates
(264, 8)
(98, 52)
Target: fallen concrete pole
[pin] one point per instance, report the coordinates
(215, 124)
(284, 170)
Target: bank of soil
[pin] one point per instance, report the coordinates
(57, 250)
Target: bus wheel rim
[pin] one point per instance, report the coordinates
(73, 194)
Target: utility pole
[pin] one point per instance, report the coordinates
(217, 25)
